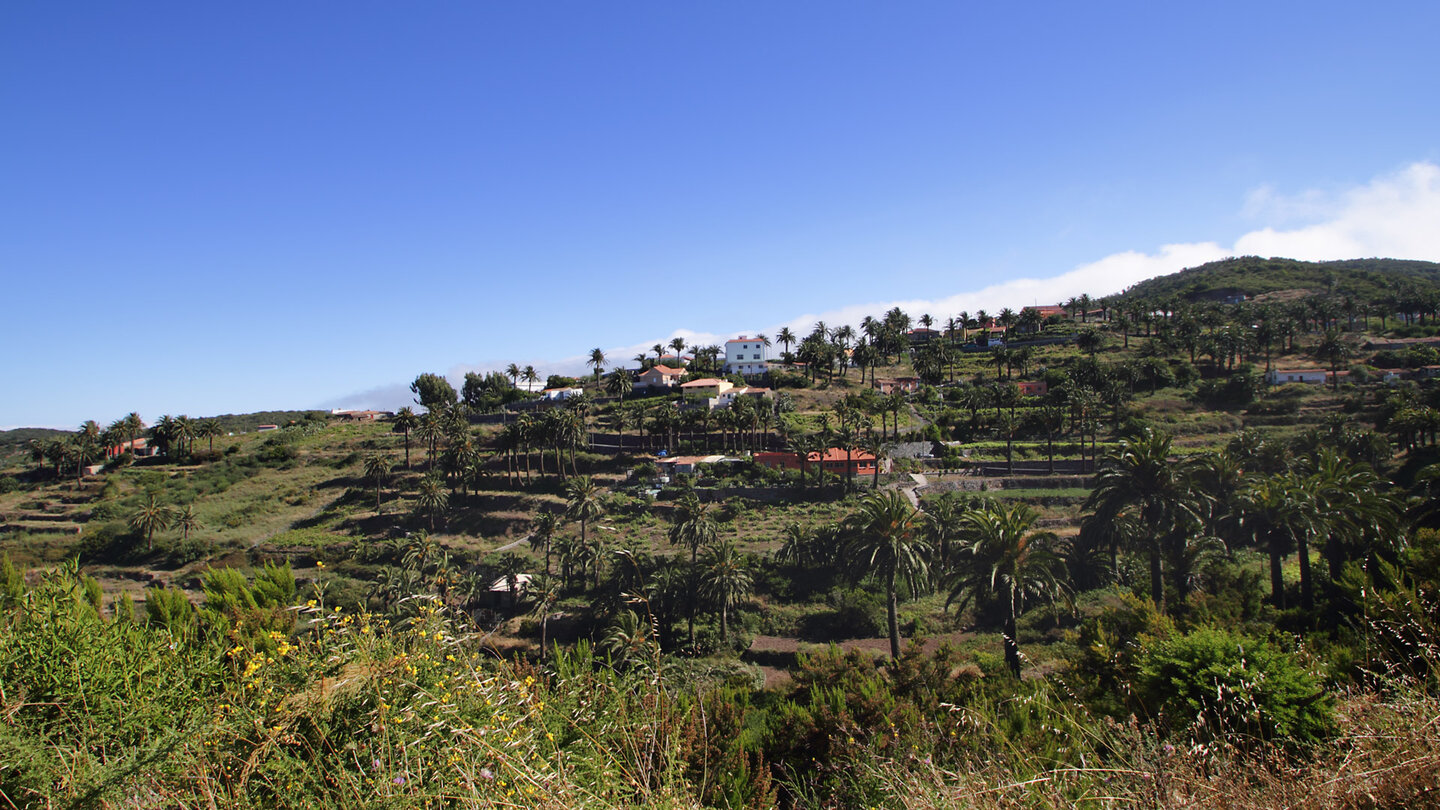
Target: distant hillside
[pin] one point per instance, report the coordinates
(1253, 275)
(11, 440)
(247, 422)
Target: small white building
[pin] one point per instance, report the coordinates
(561, 394)
(1313, 376)
(746, 356)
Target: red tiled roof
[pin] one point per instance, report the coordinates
(836, 454)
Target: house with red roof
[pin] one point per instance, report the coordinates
(833, 460)
(658, 377)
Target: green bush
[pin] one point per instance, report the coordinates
(1211, 683)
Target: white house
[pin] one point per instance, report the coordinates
(1314, 376)
(746, 355)
(561, 394)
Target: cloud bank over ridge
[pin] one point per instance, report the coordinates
(1393, 216)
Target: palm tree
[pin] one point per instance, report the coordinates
(134, 426)
(208, 429)
(1141, 478)
(786, 337)
(694, 527)
(530, 376)
(888, 540)
(1333, 350)
(187, 521)
(582, 503)
(513, 372)
(431, 431)
(377, 466)
(619, 383)
(628, 640)
(85, 446)
(724, 580)
(597, 361)
(1002, 557)
(184, 433)
(406, 421)
(1358, 515)
(678, 344)
(542, 534)
(431, 496)
(1279, 512)
(151, 516)
(546, 592)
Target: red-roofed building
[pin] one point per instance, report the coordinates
(833, 461)
(907, 384)
(659, 377)
(1050, 311)
(706, 387)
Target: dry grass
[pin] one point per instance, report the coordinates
(1386, 756)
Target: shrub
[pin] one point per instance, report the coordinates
(1211, 682)
(853, 613)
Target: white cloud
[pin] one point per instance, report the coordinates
(1394, 216)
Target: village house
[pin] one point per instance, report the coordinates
(1400, 344)
(361, 416)
(658, 377)
(727, 398)
(833, 461)
(907, 384)
(1280, 376)
(1033, 388)
(920, 336)
(560, 394)
(1048, 311)
(140, 448)
(747, 356)
(685, 465)
(705, 388)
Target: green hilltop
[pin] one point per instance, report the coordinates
(1253, 275)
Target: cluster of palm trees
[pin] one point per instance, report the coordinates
(970, 549)
(174, 436)
(560, 432)
(155, 515)
(1175, 509)
(1179, 513)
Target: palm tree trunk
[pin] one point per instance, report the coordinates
(892, 613)
(1307, 597)
(1157, 580)
(1277, 581)
(1012, 643)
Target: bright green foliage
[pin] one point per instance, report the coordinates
(169, 609)
(1213, 683)
(12, 584)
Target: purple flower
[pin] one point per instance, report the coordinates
(486, 773)
(399, 780)
(375, 763)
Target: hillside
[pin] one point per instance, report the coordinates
(1253, 275)
(585, 626)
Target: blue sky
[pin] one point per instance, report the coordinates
(211, 208)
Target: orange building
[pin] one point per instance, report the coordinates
(833, 461)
